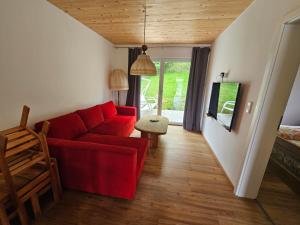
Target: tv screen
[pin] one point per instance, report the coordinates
(223, 102)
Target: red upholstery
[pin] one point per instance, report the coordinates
(126, 110)
(140, 144)
(117, 125)
(96, 168)
(92, 162)
(109, 110)
(92, 116)
(67, 127)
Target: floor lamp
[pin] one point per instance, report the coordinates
(118, 81)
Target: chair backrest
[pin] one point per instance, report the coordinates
(20, 149)
(147, 85)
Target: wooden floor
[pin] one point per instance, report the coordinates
(278, 200)
(182, 184)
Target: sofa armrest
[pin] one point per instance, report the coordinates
(96, 168)
(126, 110)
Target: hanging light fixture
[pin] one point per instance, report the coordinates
(143, 65)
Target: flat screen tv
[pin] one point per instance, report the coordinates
(223, 102)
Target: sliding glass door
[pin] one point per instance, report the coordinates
(165, 94)
(175, 81)
(149, 93)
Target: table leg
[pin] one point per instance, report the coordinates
(144, 135)
(154, 140)
(147, 136)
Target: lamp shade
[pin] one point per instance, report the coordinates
(143, 66)
(118, 80)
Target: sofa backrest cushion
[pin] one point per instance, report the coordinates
(109, 110)
(68, 126)
(92, 116)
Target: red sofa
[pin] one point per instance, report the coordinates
(94, 152)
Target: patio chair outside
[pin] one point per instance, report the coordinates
(147, 102)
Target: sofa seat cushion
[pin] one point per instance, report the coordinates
(118, 125)
(92, 116)
(109, 110)
(141, 144)
(68, 126)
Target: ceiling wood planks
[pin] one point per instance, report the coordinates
(168, 21)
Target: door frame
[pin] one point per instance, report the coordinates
(256, 159)
(162, 60)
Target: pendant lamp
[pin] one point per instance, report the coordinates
(143, 65)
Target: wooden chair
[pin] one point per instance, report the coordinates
(26, 169)
(5, 205)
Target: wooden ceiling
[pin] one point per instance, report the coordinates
(168, 21)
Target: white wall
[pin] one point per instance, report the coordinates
(48, 61)
(121, 58)
(243, 50)
(291, 115)
(277, 84)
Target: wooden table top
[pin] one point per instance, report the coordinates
(159, 127)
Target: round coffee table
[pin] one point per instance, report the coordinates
(151, 127)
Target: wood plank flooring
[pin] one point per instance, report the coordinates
(182, 184)
(278, 200)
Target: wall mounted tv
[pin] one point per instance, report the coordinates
(223, 102)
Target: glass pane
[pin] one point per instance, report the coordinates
(176, 76)
(149, 93)
(227, 101)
